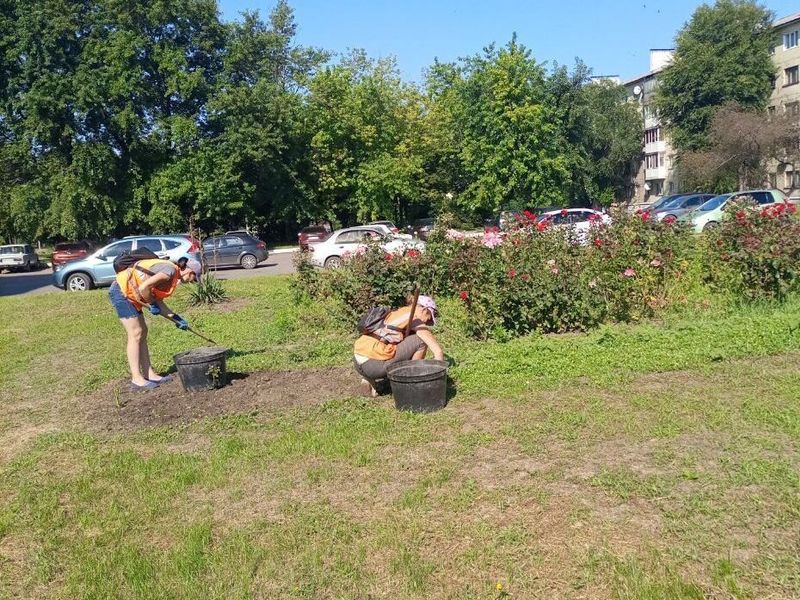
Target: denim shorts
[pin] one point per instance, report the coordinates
(124, 307)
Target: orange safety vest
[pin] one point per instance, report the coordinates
(369, 346)
(131, 278)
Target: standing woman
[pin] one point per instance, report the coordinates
(148, 282)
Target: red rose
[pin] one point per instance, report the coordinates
(525, 277)
(512, 273)
(529, 215)
(669, 220)
(541, 225)
(645, 216)
(791, 208)
(564, 212)
(740, 215)
(464, 296)
(598, 242)
(388, 257)
(412, 253)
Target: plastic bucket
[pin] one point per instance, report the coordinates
(419, 385)
(202, 369)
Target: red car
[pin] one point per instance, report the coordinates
(67, 251)
(312, 235)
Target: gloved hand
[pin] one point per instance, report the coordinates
(154, 310)
(180, 322)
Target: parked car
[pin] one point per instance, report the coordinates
(421, 228)
(680, 206)
(18, 257)
(233, 251)
(97, 269)
(661, 202)
(389, 224)
(344, 242)
(579, 220)
(64, 252)
(312, 235)
(710, 213)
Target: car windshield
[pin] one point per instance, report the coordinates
(11, 250)
(715, 202)
(674, 203)
(663, 202)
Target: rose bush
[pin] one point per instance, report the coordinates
(538, 278)
(632, 260)
(755, 252)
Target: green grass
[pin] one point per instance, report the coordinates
(565, 466)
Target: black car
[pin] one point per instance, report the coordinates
(421, 228)
(234, 250)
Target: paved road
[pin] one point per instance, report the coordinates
(38, 282)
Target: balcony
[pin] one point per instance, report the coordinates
(657, 173)
(655, 147)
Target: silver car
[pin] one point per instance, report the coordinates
(97, 269)
(18, 257)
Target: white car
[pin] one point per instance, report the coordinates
(577, 219)
(346, 242)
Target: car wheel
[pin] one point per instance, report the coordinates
(710, 226)
(248, 261)
(78, 282)
(333, 262)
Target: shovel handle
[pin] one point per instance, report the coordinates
(413, 310)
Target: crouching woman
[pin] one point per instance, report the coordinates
(147, 283)
(373, 354)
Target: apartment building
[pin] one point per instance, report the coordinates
(786, 95)
(656, 176)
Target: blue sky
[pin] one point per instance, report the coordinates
(612, 37)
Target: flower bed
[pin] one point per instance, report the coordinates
(538, 278)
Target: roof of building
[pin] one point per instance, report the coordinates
(647, 75)
(786, 20)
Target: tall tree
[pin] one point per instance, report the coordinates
(364, 121)
(741, 143)
(722, 56)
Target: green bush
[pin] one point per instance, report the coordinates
(633, 258)
(755, 252)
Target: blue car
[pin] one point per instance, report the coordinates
(97, 269)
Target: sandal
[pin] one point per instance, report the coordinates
(164, 379)
(150, 385)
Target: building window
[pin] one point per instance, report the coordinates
(653, 161)
(652, 135)
(773, 180)
(792, 76)
(649, 112)
(790, 40)
(796, 179)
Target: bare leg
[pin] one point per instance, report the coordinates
(133, 327)
(420, 354)
(144, 355)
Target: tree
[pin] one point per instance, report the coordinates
(741, 143)
(364, 121)
(611, 144)
(722, 56)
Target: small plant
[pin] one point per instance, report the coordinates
(208, 290)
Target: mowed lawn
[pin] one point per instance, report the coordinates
(650, 461)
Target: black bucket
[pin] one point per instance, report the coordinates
(419, 385)
(202, 369)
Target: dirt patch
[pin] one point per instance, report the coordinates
(114, 408)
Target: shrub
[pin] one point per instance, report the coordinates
(633, 258)
(207, 290)
(755, 252)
